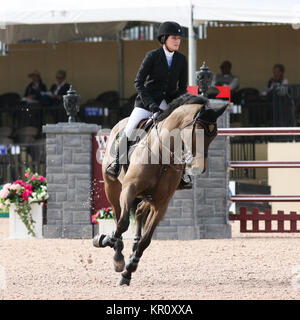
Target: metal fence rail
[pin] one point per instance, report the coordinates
(264, 164)
(276, 131)
(255, 216)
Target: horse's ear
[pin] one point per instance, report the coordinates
(220, 111)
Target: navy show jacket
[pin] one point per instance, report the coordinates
(156, 81)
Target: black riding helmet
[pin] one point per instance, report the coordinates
(168, 28)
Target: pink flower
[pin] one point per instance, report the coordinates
(7, 186)
(21, 182)
(94, 221)
(4, 193)
(28, 187)
(2, 206)
(26, 194)
(27, 174)
(33, 178)
(41, 178)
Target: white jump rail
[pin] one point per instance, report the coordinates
(263, 198)
(275, 131)
(264, 164)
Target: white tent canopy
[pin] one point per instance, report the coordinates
(269, 11)
(67, 11)
(72, 11)
(65, 20)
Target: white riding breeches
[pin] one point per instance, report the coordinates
(139, 114)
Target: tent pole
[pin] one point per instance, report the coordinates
(120, 66)
(192, 50)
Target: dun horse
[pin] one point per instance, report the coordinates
(147, 188)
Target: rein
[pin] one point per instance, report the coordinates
(210, 129)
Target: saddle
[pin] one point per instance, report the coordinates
(144, 125)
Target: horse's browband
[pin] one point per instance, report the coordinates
(210, 127)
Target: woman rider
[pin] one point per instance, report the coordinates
(161, 78)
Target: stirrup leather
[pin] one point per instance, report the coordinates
(185, 184)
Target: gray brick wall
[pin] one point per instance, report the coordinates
(69, 176)
(202, 213)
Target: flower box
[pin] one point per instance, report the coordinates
(18, 230)
(25, 200)
(107, 226)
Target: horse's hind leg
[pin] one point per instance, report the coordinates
(141, 214)
(138, 233)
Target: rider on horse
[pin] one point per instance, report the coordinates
(162, 77)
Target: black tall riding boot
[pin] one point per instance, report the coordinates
(121, 158)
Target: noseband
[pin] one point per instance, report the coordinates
(209, 127)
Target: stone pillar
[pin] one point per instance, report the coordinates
(202, 213)
(69, 177)
(212, 187)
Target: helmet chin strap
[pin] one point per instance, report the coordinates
(168, 48)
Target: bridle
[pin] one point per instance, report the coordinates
(209, 127)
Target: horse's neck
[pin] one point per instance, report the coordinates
(174, 126)
(180, 117)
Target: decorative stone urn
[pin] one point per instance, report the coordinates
(71, 104)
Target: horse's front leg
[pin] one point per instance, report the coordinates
(112, 190)
(153, 219)
(127, 198)
(112, 241)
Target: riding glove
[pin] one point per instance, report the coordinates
(154, 107)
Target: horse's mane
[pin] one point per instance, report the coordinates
(186, 98)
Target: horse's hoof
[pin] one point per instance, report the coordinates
(123, 281)
(97, 241)
(119, 262)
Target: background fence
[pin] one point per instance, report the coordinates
(17, 158)
(255, 217)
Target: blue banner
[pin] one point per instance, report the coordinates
(93, 111)
(3, 149)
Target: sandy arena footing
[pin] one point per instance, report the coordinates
(248, 266)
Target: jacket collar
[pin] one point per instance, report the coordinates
(164, 59)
